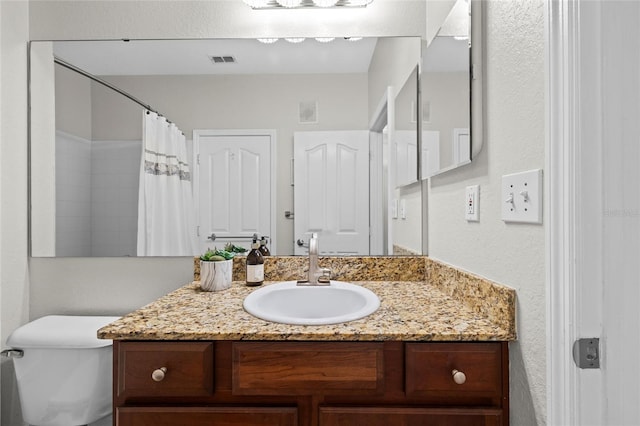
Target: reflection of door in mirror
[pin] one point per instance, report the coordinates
(233, 186)
(331, 191)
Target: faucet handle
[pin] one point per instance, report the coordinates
(325, 276)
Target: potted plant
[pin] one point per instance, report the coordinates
(216, 270)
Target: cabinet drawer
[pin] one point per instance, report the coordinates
(188, 369)
(430, 367)
(305, 368)
(207, 416)
(406, 416)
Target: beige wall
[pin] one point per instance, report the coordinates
(445, 92)
(73, 103)
(392, 62)
(14, 276)
(510, 254)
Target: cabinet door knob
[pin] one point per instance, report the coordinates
(459, 377)
(158, 375)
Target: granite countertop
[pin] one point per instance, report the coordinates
(409, 311)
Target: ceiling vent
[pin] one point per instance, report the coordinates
(227, 59)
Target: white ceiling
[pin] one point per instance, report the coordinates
(177, 57)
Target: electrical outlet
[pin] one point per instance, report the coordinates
(522, 197)
(472, 199)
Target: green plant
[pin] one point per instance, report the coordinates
(216, 255)
(234, 249)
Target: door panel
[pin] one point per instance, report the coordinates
(233, 187)
(331, 191)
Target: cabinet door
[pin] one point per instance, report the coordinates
(187, 369)
(207, 416)
(404, 416)
(430, 367)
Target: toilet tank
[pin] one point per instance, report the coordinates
(65, 375)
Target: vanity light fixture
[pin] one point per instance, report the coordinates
(325, 3)
(270, 40)
(289, 3)
(299, 4)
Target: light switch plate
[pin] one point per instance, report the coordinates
(522, 197)
(471, 203)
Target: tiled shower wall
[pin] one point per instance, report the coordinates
(73, 195)
(115, 174)
(96, 196)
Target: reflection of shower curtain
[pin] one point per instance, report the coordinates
(165, 207)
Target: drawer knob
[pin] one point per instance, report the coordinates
(459, 377)
(158, 375)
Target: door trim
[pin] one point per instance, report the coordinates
(197, 133)
(560, 209)
(573, 298)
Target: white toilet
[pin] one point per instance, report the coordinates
(64, 372)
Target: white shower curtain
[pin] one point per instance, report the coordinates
(165, 204)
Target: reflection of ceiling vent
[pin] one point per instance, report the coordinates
(222, 59)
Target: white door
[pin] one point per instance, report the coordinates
(594, 230)
(406, 144)
(233, 186)
(430, 152)
(461, 146)
(331, 191)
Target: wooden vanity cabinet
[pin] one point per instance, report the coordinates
(310, 383)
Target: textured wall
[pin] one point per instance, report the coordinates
(511, 254)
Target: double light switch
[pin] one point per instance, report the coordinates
(522, 197)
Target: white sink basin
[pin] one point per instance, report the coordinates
(289, 303)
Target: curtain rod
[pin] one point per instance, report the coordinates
(103, 82)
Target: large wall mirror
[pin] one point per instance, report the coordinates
(300, 100)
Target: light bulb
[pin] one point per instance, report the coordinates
(267, 40)
(295, 39)
(325, 39)
(353, 38)
(325, 3)
(289, 3)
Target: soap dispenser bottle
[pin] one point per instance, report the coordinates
(255, 265)
(264, 250)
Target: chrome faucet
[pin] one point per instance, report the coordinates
(316, 276)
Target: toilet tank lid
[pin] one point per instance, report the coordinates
(61, 332)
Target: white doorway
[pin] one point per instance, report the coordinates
(593, 230)
(234, 186)
(331, 191)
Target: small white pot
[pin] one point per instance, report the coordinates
(216, 276)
